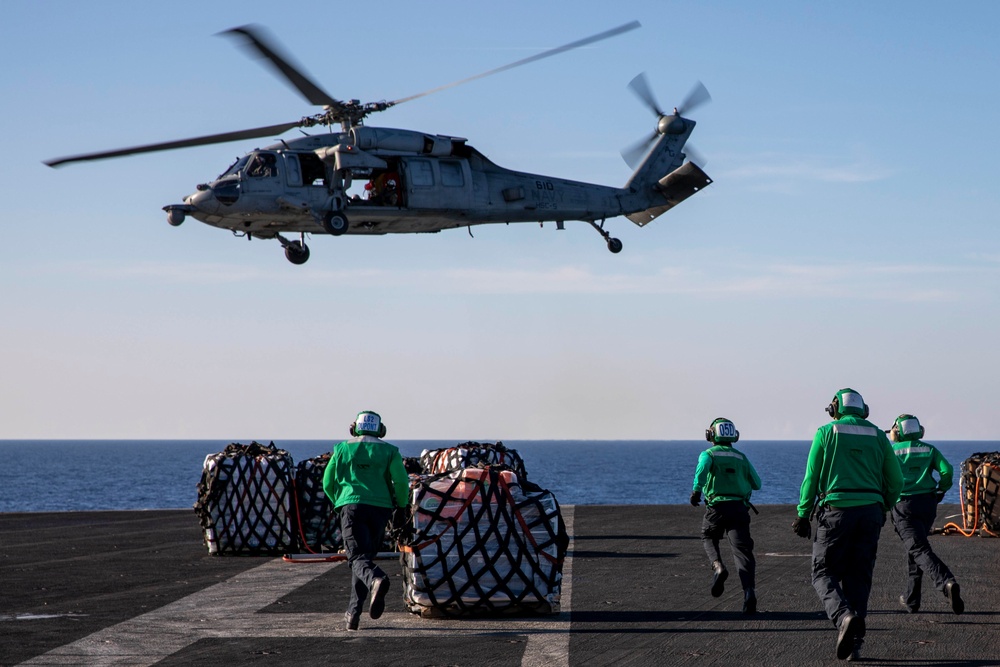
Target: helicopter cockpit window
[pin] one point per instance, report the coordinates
(421, 172)
(262, 165)
(451, 173)
(235, 166)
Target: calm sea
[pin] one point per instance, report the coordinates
(66, 475)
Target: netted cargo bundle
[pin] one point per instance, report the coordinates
(980, 488)
(320, 523)
(471, 455)
(245, 500)
(484, 542)
(320, 527)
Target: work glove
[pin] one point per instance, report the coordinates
(696, 498)
(938, 496)
(802, 527)
(400, 528)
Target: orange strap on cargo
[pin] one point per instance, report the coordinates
(969, 531)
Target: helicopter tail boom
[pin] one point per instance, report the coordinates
(664, 180)
(675, 187)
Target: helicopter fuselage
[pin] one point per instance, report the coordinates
(370, 180)
(439, 183)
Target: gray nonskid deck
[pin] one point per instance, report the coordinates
(138, 588)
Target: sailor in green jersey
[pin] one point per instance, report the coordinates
(853, 473)
(727, 478)
(914, 514)
(364, 479)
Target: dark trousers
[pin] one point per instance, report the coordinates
(844, 552)
(731, 518)
(912, 517)
(363, 528)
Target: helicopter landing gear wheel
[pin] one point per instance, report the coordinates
(614, 245)
(335, 223)
(297, 252)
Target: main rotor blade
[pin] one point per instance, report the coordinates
(270, 130)
(698, 96)
(640, 86)
(294, 75)
(538, 56)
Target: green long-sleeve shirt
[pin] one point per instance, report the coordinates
(918, 460)
(850, 463)
(368, 471)
(723, 473)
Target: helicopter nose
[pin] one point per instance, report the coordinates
(203, 200)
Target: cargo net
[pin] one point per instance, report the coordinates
(980, 488)
(245, 500)
(318, 524)
(483, 543)
(471, 455)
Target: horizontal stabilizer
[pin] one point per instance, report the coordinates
(676, 186)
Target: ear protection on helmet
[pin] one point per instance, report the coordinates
(907, 427)
(355, 433)
(722, 430)
(834, 409)
(370, 421)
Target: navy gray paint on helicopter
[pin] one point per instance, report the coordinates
(415, 182)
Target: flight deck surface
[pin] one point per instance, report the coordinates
(139, 588)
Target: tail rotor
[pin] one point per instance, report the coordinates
(639, 86)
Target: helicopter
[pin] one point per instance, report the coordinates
(413, 182)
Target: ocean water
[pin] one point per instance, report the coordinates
(70, 475)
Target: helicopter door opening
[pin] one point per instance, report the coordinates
(383, 187)
(306, 176)
(304, 170)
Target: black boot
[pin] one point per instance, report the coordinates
(856, 653)
(951, 591)
(719, 578)
(749, 601)
(847, 632)
(379, 589)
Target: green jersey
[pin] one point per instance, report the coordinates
(918, 460)
(723, 473)
(368, 471)
(850, 463)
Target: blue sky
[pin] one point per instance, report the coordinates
(849, 239)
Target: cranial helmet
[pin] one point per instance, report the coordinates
(368, 423)
(847, 402)
(722, 430)
(906, 428)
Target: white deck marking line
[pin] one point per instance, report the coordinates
(229, 609)
(549, 644)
